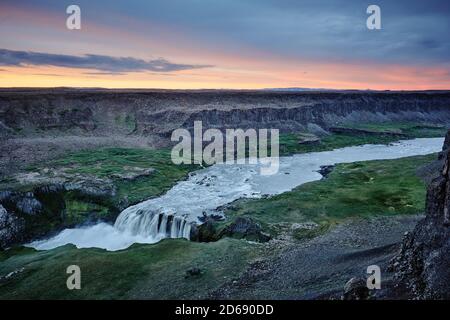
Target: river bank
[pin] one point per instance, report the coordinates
(161, 270)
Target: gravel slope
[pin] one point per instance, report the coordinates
(320, 267)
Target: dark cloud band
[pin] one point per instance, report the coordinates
(102, 63)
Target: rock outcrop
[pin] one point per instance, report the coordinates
(240, 228)
(423, 265)
(355, 289)
(366, 132)
(26, 215)
(11, 227)
(245, 228)
(28, 112)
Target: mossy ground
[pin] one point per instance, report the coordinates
(104, 163)
(107, 162)
(142, 271)
(158, 271)
(289, 142)
(361, 189)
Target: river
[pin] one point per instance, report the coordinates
(172, 214)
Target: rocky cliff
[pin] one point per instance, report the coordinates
(26, 215)
(157, 112)
(423, 265)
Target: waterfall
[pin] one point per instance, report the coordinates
(154, 224)
(173, 213)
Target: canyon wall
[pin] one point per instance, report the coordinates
(100, 112)
(423, 265)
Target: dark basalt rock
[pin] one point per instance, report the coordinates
(193, 272)
(240, 228)
(365, 132)
(157, 112)
(355, 289)
(214, 217)
(11, 228)
(245, 228)
(26, 215)
(206, 232)
(326, 170)
(423, 265)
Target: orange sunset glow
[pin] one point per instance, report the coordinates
(197, 57)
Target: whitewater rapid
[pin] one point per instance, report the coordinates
(172, 214)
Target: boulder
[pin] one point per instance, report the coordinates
(356, 289)
(308, 139)
(133, 173)
(206, 232)
(326, 170)
(245, 228)
(193, 272)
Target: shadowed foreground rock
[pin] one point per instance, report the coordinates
(355, 289)
(423, 265)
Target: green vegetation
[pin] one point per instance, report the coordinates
(361, 189)
(107, 180)
(126, 120)
(158, 271)
(410, 129)
(155, 271)
(397, 131)
(289, 142)
(302, 234)
(77, 211)
(110, 162)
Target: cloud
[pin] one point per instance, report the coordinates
(102, 63)
(104, 73)
(48, 74)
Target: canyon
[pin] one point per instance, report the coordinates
(76, 158)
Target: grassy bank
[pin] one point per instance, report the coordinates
(105, 171)
(155, 271)
(289, 143)
(110, 163)
(158, 271)
(362, 189)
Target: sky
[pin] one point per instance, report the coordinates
(235, 44)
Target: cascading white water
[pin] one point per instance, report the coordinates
(173, 213)
(157, 225)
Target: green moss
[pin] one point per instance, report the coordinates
(361, 189)
(78, 212)
(289, 142)
(104, 163)
(306, 234)
(406, 130)
(143, 271)
(126, 120)
(409, 129)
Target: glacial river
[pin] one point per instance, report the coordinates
(172, 214)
